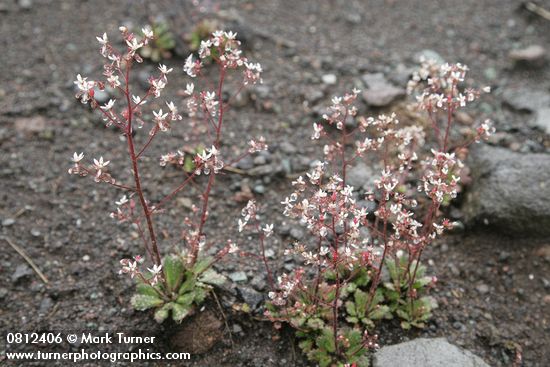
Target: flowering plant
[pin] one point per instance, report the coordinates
(178, 281)
(335, 299)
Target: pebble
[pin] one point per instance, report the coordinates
(296, 233)
(25, 4)
(429, 55)
(543, 119)
(101, 96)
(86, 258)
(8, 222)
(259, 189)
(534, 54)
(3, 293)
(260, 160)
(21, 271)
(482, 288)
(35, 232)
(329, 79)
(269, 253)
(238, 276)
(287, 147)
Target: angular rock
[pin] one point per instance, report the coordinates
(532, 55)
(542, 120)
(424, 352)
(510, 191)
(526, 99)
(380, 92)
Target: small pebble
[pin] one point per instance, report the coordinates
(86, 258)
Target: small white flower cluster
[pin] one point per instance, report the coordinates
(257, 145)
(341, 109)
(441, 176)
(286, 284)
(439, 87)
(248, 212)
(208, 161)
(131, 267)
(177, 158)
(98, 169)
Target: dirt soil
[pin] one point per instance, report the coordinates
(494, 292)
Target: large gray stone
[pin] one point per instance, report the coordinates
(542, 120)
(423, 352)
(510, 191)
(526, 99)
(380, 92)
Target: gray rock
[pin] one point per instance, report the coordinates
(429, 55)
(424, 352)
(482, 288)
(21, 271)
(251, 297)
(101, 96)
(361, 176)
(329, 79)
(287, 147)
(534, 54)
(543, 119)
(238, 276)
(25, 4)
(510, 191)
(296, 233)
(380, 92)
(8, 222)
(526, 99)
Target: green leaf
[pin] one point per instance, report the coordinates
(326, 340)
(305, 345)
(146, 290)
(210, 276)
(162, 313)
(201, 265)
(380, 312)
(186, 299)
(142, 302)
(352, 320)
(361, 299)
(315, 323)
(200, 295)
(189, 283)
(179, 312)
(350, 308)
(188, 164)
(405, 325)
(422, 282)
(173, 271)
(402, 314)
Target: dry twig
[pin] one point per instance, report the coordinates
(27, 258)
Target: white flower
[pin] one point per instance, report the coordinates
(99, 164)
(134, 45)
(77, 157)
(103, 40)
(317, 130)
(156, 269)
(268, 229)
(138, 100)
(189, 66)
(190, 87)
(147, 32)
(242, 224)
(163, 69)
(83, 84)
(233, 248)
(173, 109)
(123, 200)
(108, 105)
(159, 116)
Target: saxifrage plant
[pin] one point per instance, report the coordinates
(336, 298)
(174, 283)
